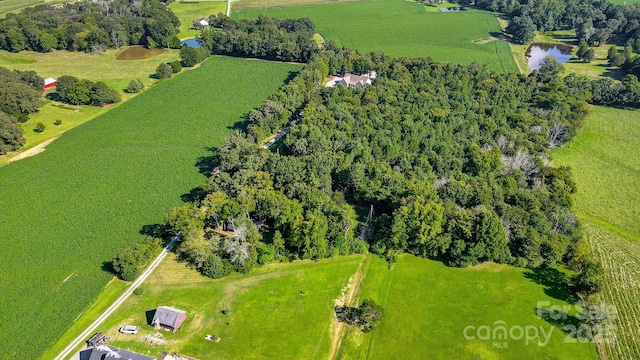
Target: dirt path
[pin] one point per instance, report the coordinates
(92, 328)
(348, 297)
(31, 152)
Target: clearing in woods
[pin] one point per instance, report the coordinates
(605, 160)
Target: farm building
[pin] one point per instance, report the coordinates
(49, 83)
(105, 352)
(168, 318)
(202, 22)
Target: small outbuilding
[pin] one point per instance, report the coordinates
(49, 83)
(169, 318)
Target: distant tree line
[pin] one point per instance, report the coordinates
(20, 96)
(87, 26)
(263, 37)
(596, 22)
(74, 91)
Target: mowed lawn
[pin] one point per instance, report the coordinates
(188, 11)
(428, 306)
(605, 160)
(70, 209)
(403, 28)
(268, 316)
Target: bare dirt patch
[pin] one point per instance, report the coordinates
(33, 151)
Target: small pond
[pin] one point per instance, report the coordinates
(138, 53)
(452, 9)
(191, 42)
(536, 53)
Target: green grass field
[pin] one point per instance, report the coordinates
(71, 208)
(188, 11)
(268, 316)
(428, 306)
(403, 28)
(95, 67)
(605, 160)
(7, 6)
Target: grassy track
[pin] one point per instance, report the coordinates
(69, 209)
(403, 28)
(605, 158)
(268, 317)
(428, 305)
(188, 11)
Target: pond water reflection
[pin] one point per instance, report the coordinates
(536, 53)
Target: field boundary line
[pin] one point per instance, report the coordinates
(353, 290)
(84, 335)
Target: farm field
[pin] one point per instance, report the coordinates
(71, 208)
(95, 67)
(443, 36)
(605, 160)
(188, 11)
(7, 6)
(243, 5)
(268, 316)
(428, 306)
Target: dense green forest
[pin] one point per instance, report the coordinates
(452, 159)
(90, 26)
(20, 96)
(263, 37)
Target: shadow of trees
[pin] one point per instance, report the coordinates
(556, 283)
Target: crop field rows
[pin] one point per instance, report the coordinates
(621, 261)
(244, 5)
(68, 210)
(442, 36)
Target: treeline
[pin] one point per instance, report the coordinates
(74, 91)
(20, 96)
(263, 37)
(451, 158)
(129, 263)
(596, 22)
(90, 26)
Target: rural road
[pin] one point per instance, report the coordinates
(90, 330)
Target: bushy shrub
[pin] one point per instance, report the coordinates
(135, 86)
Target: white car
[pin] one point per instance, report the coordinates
(129, 329)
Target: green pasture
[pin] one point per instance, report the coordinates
(70, 209)
(268, 316)
(188, 11)
(7, 6)
(95, 67)
(403, 28)
(428, 306)
(244, 5)
(605, 160)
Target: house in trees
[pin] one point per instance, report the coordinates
(201, 23)
(169, 318)
(352, 80)
(49, 83)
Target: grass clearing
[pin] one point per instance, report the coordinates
(8, 6)
(189, 11)
(95, 67)
(381, 23)
(428, 306)
(88, 195)
(268, 316)
(605, 160)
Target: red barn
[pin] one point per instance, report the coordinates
(49, 83)
(168, 318)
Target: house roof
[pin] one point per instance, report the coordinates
(48, 81)
(167, 315)
(106, 352)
